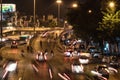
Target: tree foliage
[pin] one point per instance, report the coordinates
(109, 26)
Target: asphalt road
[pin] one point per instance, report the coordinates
(25, 70)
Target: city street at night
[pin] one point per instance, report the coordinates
(59, 40)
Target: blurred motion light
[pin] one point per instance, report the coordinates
(11, 67)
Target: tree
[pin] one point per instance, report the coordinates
(109, 27)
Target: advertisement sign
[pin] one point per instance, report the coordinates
(8, 8)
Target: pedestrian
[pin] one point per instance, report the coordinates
(41, 44)
(46, 52)
(31, 49)
(52, 53)
(28, 48)
(22, 53)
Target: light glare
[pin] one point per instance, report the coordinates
(59, 1)
(74, 5)
(112, 4)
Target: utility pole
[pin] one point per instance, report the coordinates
(34, 15)
(1, 31)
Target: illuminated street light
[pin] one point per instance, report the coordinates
(89, 11)
(111, 4)
(75, 5)
(59, 3)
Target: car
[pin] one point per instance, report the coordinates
(114, 64)
(92, 49)
(22, 42)
(3, 39)
(77, 67)
(97, 75)
(11, 66)
(41, 57)
(105, 59)
(23, 39)
(67, 54)
(101, 71)
(2, 44)
(104, 71)
(84, 60)
(96, 54)
(75, 53)
(85, 54)
(14, 44)
(82, 47)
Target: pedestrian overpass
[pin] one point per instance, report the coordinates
(57, 31)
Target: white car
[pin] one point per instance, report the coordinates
(41, 57)
(85, 54)
(11, 66)
(77, 68)
(84, 60)
(67, 54)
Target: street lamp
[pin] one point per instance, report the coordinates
(34, 15)
(1, 31)
(74, 5)
(89, 11)
(58, 2)
(111, 5)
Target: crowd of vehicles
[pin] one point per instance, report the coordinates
(81, 58)
(102, 72)
(109, 65)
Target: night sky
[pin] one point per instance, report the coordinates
(42, 6)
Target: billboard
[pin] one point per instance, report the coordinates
(8, 8)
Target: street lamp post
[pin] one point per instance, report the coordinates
(1, 31)
(112, 6)
(34, 15)
(58, 2)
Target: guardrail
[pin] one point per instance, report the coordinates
(30, 29)
(24, 29)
